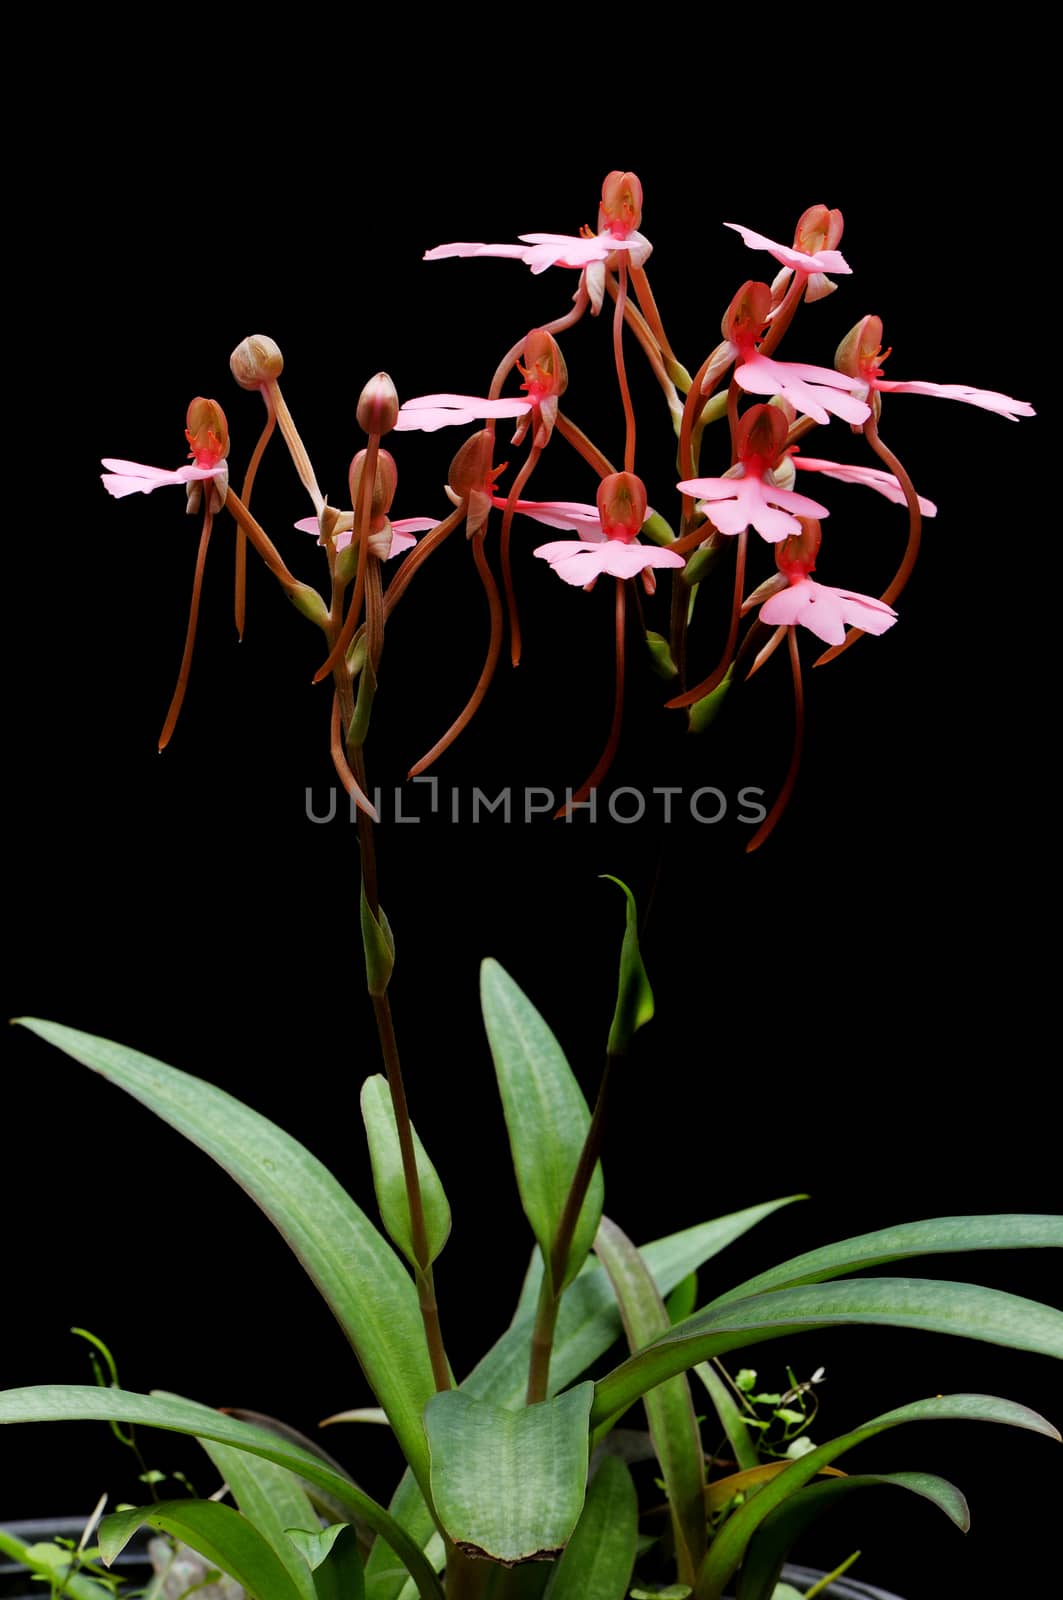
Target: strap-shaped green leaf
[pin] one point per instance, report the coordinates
(222, 1535)
(669, 1407)
(588, 1323)
(546, 1115)
(963, 1309)
(385, 1155)
(273, 1502)
(361, 1278)
(509, 1485)
(333, 1558)
(727, 1548)
(634, 999)
(768, 1547)
(53, 1563)
(600, 1556)
(935, 1236)
(88, 1403)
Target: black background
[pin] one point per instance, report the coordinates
(856, 1012)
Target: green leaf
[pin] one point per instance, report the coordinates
(53, 1562)
(332, 1556)
(733, 1419)
(222, 1535)
(85, 1403)
(727, 1548)
(389, 1180)
(599, 1558)
(681, 1302)
(588, 1322)
(962, 1309)
(634, 1000)
(378, 942)
(703, 713)
(273, 1502)
(669, 1407)
(936, 1236)
(659, 651)
(546, 1115)
(359, 1275)
(509, 1484)
(772, 1541)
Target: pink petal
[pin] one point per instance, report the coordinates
(574, 514)
(443, 251)
(578, 563)
(871, 477)
(132, 477)
(431, 411)
(734, 503)
(809, 389)
(988, 399)
(822, 261)
(825, 611)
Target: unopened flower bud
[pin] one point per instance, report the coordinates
(309, 602)
(747, 314)
(378, 405)
(621, 204)
(207, 432)
(858, 354)
(818, 229)
(256, 361)
(621, 505)
(385, 483)
(798, 552)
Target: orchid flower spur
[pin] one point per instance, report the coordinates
(860, 355)
(619, 215)
(825, 611)
(607, 535)
(208, 436)
(812, 255)
(749, 493)
(814, 391)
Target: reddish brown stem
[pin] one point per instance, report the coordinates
(240, 593)
(605, 761)
(783, 798)
(190, 633)
(494, 648)
(579, 441)
(621, 371)
(716, 677)
(507, 567)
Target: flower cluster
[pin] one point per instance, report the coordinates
(755, 409)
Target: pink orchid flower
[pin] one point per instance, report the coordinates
(619, 214)
(871, 477)
(825, 611)
(607, 535)
(749, 493)
(812, 255)
(814, 391)
(860, 355)
(394, 539)
(208, 436)
(431, 411)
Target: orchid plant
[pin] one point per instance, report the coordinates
(518, 1479)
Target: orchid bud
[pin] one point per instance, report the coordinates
(762, 434)
(621, 206)
(385, 482)
(818, 229)
(621, 505)
(471, 468)
(746, 315)
(207, 432)
(797, 554)
(256, 361)
(378, 405)
(858, 355)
